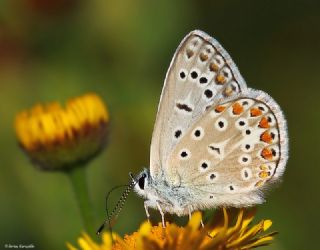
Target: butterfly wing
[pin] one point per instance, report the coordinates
(201, 72)
(233, 151)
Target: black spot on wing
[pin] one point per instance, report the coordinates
(184, 107)
(215, 149)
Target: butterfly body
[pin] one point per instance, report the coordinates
(216, 142)
(172, 199)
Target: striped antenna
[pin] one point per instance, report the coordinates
(118, 207)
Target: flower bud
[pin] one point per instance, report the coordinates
(58, 138)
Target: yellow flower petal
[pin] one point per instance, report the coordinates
(144, 231)
(267, 224)
(247, 218)
(70, 247)
(120, 243)
(145, 228)
(260, 242)
(192, 236)
(83, 244)
(237, 227)
(222, 234)
(248, 235)
(90, 242)
(217, 225)
(107, 241)
(194, 222)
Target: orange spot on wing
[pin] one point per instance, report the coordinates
(266, 154)
(237, 108)
(264, 174)
(189, 53)
(255, 112)
(264, 123)
(220, 79)
(259, 184)
(228, 91)
(264, 167)
(219, 109)
(266, 137)
(203, 57)
(213, 67)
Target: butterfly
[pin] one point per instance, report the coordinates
(216, 142)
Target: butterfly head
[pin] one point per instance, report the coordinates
(142, 183)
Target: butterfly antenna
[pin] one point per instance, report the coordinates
(118, 207)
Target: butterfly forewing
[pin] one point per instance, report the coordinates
(201, 73)
(233, 151)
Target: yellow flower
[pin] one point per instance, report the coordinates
(57, 137)
(229, 229)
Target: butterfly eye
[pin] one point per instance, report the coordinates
(141, 181)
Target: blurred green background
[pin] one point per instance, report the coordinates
(57, 49)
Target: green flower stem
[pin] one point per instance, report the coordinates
(77, 176)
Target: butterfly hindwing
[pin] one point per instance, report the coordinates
(233, 151)
(200, 74)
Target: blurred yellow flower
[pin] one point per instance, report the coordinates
(216, 234)
(56, 137)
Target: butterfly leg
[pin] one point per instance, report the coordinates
(201, 222)
(146, 205)
(162, 215)
(189, 208)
